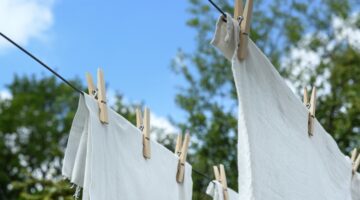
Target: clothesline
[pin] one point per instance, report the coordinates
(40, 62)
(218, 8)
(58, 75)
(67, 82)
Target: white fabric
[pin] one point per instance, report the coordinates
(107, 160)
(277, 159)
(355, 187)
(215, 190)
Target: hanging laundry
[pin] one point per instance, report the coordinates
(277, 159)
(216, 191)
(107, 160)
(355, 187)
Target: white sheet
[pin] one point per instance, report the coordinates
(355, 187)
(215, 190)
(107, 160)
(277, 160)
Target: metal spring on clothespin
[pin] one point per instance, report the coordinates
(240, 19)
(95, 93)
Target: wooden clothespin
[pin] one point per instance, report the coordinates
(102, 97)
(306, 98)
(355, 159)
(243, 16)
(91, 86)
(311, 106)
(144, 125)
(221, 177)
(354, 153)
(356, 164)
(217, 174)
(99, 94)
(178, 145)
(182, 160)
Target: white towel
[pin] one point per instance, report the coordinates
(355, 187)
(277, 159)
(107, 160)
(215, 190)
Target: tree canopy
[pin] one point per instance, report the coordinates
(34, 127)
(311, 43)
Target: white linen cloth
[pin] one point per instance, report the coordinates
(355, 187)
(277, 159)
(215, 190)
(107, 160)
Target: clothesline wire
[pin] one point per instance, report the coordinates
(218, 8)
(40, 62)
(63, 79)
(202, 174)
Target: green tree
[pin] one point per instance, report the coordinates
(34, 127)
(34, 124)
(283, 29)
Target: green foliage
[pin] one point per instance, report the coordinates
(339, 110)
(34, 127)
(35, 122)
(46, 189)
(279, 28)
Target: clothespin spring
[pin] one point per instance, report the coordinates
(240, 19)
(94, 93)
(141, 127)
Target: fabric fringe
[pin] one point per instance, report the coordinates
(77, 192)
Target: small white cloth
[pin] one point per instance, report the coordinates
(215, 190)
(277, 159)
(355, 187)
(107, 160)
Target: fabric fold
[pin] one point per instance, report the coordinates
(355, 187)
(107, 160)
(215, 190)
(226, 38)
(277, 159)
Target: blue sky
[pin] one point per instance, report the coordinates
(133, 41)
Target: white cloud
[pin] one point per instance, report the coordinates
(346, 30)
(4, 94)
(111, 97)
(307, 58)
(159, 124)
(302, 60)
(23, 20)
(162, 123)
